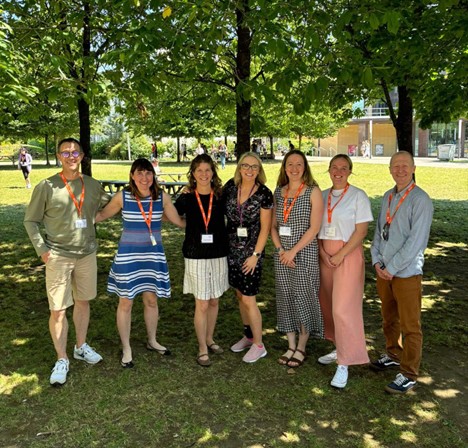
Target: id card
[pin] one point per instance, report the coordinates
(81, 224)
(285, 231)
(207, 238)
(330, 231)
(242, 232)
(153, 240)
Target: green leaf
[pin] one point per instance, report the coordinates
(368, 78)
(393, 22)
(374, 21)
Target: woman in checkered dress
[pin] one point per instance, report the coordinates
(296, 222)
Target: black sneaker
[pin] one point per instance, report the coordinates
(384, 363)
(400, 385)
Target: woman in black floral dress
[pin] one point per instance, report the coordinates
(248, 205)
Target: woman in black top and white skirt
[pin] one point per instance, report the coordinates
(205, 250)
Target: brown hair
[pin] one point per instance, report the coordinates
(307, 177)
(215, 181)
(143, 165)
(261, 176)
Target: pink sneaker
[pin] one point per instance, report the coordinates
(255, 353)
(241, 345)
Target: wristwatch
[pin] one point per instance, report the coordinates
(279, 249)
(257, 254)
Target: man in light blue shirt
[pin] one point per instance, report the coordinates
(400, 239)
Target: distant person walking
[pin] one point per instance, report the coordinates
(25, 165)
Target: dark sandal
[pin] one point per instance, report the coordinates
(165, 352)
(283, 360)
(298, 362)
(204, 362)
(215, 348)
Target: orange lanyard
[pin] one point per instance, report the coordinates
(329, 208)
(287, 210)
(390, 218)
(72, 195)
(150, 213)
(206, 219)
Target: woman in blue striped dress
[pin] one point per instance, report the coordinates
(140, 265)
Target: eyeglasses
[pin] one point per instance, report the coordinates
(246, 167)
(67, 154)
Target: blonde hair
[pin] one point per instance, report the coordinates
(261, 176)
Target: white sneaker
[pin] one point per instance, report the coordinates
(241, 345)
(328, 359)
(59, 372)
(341, 377)
(87, 353)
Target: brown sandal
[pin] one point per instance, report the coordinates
(215, 348)
(204, 362)
(297, 361)
(283, 360)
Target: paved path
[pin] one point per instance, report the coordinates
(420, 161)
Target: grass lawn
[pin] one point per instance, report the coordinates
(172, 402)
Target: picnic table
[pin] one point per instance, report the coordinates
(113, 186)
(173, 187)
(176, 177)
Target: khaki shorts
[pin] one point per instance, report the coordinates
(69, 279)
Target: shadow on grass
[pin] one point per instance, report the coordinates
(172, 402)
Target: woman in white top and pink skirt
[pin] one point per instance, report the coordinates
(347, 213)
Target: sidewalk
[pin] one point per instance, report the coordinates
(419, 161)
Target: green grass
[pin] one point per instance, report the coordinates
(172, 402)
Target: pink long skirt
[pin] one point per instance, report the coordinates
(341, 295)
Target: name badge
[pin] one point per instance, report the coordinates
(153, 240)
(285, 231)
(207, 238)
(242, 232)
(330, 231)
(81, 224)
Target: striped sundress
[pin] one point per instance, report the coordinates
(138, 265)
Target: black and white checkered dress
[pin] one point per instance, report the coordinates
(297, 289)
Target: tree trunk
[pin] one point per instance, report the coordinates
(242, 76)
(404, 122)
(300, 141)
(83, 106)
(272, 152)
(85, 135)
(46, 141)
(178, 149)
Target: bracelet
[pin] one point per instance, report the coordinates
(279, 249)
(257, 254)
